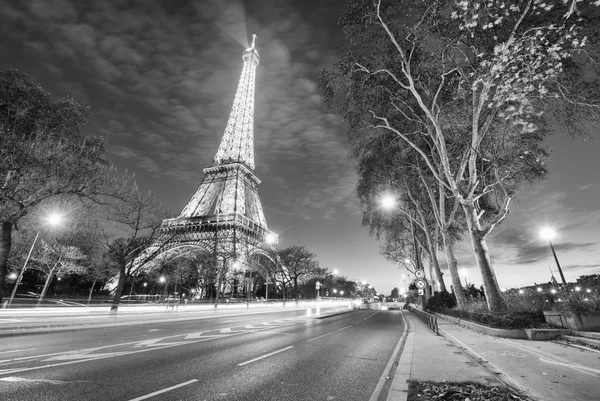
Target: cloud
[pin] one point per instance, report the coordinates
(584, 187)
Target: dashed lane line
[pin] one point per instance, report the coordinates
(164, 390)
(316, 338)
(265, 356)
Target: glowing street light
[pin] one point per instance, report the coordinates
(54, 219)
(548, 233)
(271, 239)
(162, 279)
(388, 202)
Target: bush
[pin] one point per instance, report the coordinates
(579, 301)
(442, 300)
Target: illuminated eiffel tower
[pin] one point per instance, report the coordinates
(224, 217)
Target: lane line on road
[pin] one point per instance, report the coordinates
(580, 368)
(17, 350)
(265, 356)
(316, 338)
(344, 328)
(164, 390)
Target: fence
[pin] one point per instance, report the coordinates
(427, 318)
(499, 320)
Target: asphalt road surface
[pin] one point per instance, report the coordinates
(274, 356)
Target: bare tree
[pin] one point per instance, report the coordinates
(299, 263)
(55, 260)
(139, 217)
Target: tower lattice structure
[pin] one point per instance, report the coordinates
(224, 216)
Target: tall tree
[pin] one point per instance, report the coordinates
(472, 78)
(299, 262)
(139, 217)
(43, 154)
(57, 259)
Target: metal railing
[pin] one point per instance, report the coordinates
(427, 318)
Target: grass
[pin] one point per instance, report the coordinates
(463, 391)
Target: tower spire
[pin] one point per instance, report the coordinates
(237, 145)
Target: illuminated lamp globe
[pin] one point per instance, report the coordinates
(162, 279)
(388, 202)
(54, 219)
(271, 239)
(547, 233)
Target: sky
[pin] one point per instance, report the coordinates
(160, 78)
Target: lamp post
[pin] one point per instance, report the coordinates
(162, 280)
(271, 239)
(548, 233)
(53, 219)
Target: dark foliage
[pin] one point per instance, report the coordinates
(442, 300)
(426, 391)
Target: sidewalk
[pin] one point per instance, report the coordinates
(430, 357)
(542, 370)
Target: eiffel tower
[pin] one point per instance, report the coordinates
(224, 217)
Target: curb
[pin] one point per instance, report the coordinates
(399, 388)
(503, 333)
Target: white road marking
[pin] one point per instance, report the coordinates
(264, 356)
(164, 390)
(10, 320)
(71, 357)
(17, 350)
(344, 328)
(535, 351)
(316, 338)
(580, 368)
(22, 379)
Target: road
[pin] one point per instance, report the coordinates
(275, 356)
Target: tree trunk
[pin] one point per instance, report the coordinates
(219, 274)
(459, 292)
(5, 244)
(493, 295)
(91, 291)
(46, 285)
(296, 288)
(117, 298)
(431, 246)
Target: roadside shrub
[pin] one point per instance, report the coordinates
(579, 301)
(442, 300)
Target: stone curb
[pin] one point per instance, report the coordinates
(399, 388)
(523, 334)
(505, 333)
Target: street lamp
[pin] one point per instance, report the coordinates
(548, 233)
(388, 202)
(54, 219)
